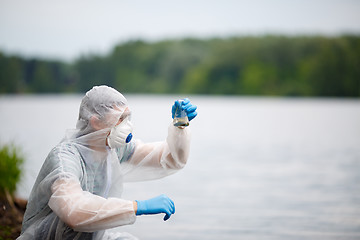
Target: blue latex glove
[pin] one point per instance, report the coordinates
(186, 105)
(160, 204)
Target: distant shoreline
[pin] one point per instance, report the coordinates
(269, 65)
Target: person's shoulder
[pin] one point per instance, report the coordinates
(65, 150)
(64, 158)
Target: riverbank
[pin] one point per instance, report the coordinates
(11, 216)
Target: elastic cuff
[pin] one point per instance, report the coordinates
(139, 207)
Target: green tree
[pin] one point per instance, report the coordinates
(266, 65)
(11, 77)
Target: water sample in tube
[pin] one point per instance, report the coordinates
(180, 117)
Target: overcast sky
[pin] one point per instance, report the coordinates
(67, 28)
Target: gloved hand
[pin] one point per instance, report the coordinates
(186, 105)
(160, 204)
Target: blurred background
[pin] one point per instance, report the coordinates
(275, 149)
(302, 48)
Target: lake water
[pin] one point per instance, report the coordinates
(259, 168)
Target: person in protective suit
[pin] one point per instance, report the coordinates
(77, 194)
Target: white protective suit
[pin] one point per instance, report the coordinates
(77, 194)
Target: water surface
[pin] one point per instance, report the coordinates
(259, 168)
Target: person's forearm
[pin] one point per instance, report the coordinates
(178, 144)
(170, 154)
(86, 212)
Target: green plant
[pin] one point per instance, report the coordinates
(5, 233)
(11, 161)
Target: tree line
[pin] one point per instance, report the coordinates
(264, 65)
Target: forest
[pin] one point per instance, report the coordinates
(271, 65)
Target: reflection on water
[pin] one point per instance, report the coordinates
(259, 168)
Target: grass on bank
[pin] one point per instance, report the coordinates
(11, 161)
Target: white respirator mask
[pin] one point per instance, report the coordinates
(121, 134)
